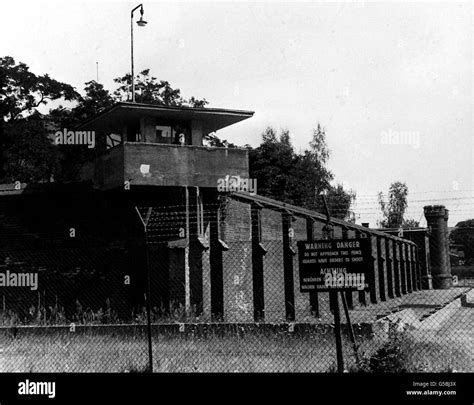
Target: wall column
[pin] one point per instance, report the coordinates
(313, 295)
(389, 267)
(288, 268)
(437, 219)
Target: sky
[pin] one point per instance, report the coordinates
(391, 82)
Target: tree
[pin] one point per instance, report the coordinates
(96, 99)
(71, 160)
(393, 210)
(410, 223)
(317, 178)
(294, 178)
(23, 138)
(214, 141)
(149, 90)
(31, 156)
(340, 201)
(272, 165)
(463, 234)
(22, 91)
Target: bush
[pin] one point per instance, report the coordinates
(390, 358)
(403, 353)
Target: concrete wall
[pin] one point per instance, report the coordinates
(302, 304)
(222, 275)
(237, 263)
(169, 165)
(273, 270)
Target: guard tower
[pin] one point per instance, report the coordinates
(153, 145)
(154, 156)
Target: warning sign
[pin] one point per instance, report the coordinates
(337, 264)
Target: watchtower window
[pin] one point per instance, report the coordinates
(163, 134)
(163, 131)
(133, 132)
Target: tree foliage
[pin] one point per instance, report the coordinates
(21, 91)
(393, 209)
(30, 156)
(298, 179)
(150, 90)
(463, 234)
(25, 149)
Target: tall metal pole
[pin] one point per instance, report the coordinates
(140, 23)
(133, 72)
(148, 304)
(187, 281)
(148, 285)
(337, 331)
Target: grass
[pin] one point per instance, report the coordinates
(89, 353)
(250, 352)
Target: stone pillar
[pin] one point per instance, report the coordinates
(403, 269)
(382, 267)
(446, 216)
(397, 268)
(374, 286)
(408, 269)
(390, 268)
(414, 269)
(362, 295)
(437, 219)
(425, 264)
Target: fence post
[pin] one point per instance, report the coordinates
(288, 275)
(148, 303)
(148, 286)
(349, 301)
(337, 330)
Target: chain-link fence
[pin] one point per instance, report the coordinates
(225, 297)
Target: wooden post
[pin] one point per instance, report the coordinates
(337, 330)
(187, 283)
(348, 300)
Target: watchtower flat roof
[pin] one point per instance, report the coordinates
(212, 119)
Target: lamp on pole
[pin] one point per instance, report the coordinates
(141, 23)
